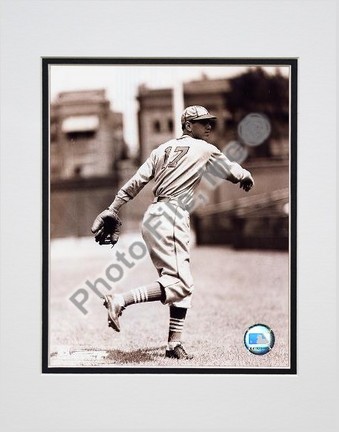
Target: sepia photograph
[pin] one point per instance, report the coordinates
(169, 215)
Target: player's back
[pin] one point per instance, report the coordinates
(179, 165)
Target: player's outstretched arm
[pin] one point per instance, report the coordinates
(240, 175)
(220, 166)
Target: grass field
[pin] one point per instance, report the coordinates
(233, 290)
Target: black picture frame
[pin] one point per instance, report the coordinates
(293, 64)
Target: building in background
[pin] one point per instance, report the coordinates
(155, 118)
(86, 136)
(88, 159)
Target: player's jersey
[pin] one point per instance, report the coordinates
(177, 167)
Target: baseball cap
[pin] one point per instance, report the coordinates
(195, 112)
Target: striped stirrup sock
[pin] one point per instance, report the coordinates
(142, 294)
(176, 323)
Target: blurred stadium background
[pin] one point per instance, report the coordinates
(90, 160)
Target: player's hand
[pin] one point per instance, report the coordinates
(106, 227)
(247, 181)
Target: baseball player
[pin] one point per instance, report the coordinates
(176, 167)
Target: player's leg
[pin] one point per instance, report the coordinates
(117, 303)
(175, 348)
(167, 235)
(169, 252)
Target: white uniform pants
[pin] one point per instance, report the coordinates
(166, 231)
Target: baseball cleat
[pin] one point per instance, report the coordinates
(114, 311)
(178, 353)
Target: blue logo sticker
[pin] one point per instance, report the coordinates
(259, 339)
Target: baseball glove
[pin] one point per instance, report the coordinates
(106, 227)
